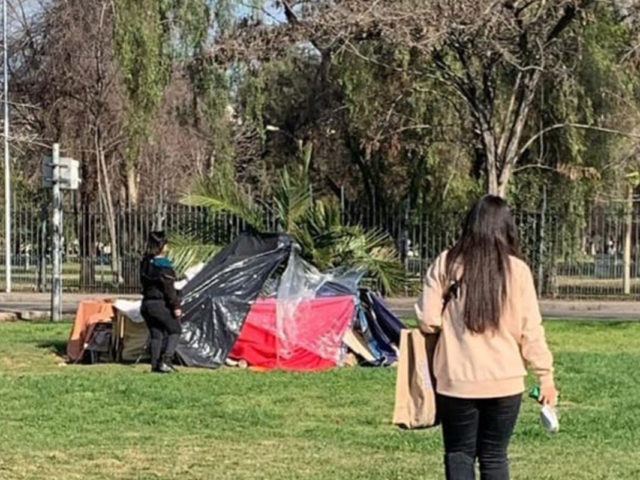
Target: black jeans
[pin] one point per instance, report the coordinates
(480, 429)
(164, 331)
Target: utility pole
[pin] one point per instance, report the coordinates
(7, 171)
(58, 173)
(56, 284)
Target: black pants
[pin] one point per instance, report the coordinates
(477, 429)
(164, 331)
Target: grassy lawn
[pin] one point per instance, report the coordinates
(120, 422)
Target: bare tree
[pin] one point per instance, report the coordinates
(68, 73)
(490, 55)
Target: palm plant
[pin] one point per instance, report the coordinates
(315, 224)
(189, 250)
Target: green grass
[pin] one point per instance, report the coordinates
(120, 422)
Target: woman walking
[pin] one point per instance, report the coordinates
(481, 297)
(160, 303)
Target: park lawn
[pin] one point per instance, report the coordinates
(120, 422)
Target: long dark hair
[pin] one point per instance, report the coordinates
(489, 237)
(156, 242)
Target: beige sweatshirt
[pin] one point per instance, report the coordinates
(491, 364)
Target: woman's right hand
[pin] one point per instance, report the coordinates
(548, 395)
(177, 313)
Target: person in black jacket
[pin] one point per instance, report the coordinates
(160, 303)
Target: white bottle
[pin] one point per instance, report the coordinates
(549, 418)
(548, 413)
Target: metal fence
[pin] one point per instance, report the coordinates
(100, 249)
(571, 256)
(576, 258)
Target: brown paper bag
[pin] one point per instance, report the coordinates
(415, 405)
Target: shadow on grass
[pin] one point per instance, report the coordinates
(58, 347)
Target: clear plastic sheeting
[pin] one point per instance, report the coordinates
(300, 284)
(216, 301)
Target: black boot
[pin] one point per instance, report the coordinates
(162, 368)
(171, 366)
(170, 350)
(155, 345)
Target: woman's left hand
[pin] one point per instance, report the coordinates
(177, 313)
(548, 395)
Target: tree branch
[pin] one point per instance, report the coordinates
(570, 13)
(289, 13)
(507, 118)
(582, 126)
(520, 118)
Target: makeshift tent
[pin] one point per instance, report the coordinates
(258, 301)
(130, 333)
(105, 330)
(300, 327)
(89, 315)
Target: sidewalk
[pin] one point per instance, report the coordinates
(601, 309)
(36, 303)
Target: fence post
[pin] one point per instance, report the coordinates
(543, 213)
(403, 235)
(628, 226)
(42, 250)
(342, 212)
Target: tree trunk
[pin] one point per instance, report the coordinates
(132, 185)
(87, 249)
(503, 186)
(107, 201)
(514, 134)
(355, 155)
(86, 231)
(493, 162)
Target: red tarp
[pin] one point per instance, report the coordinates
(309, 339)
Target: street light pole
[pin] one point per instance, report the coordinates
(7, 172)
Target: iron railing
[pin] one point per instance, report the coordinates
(575, 257)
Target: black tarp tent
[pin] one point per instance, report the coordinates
(217, 300)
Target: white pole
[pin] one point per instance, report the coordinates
(7, 172)
(56, 284)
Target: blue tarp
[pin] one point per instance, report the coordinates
(379, 327)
